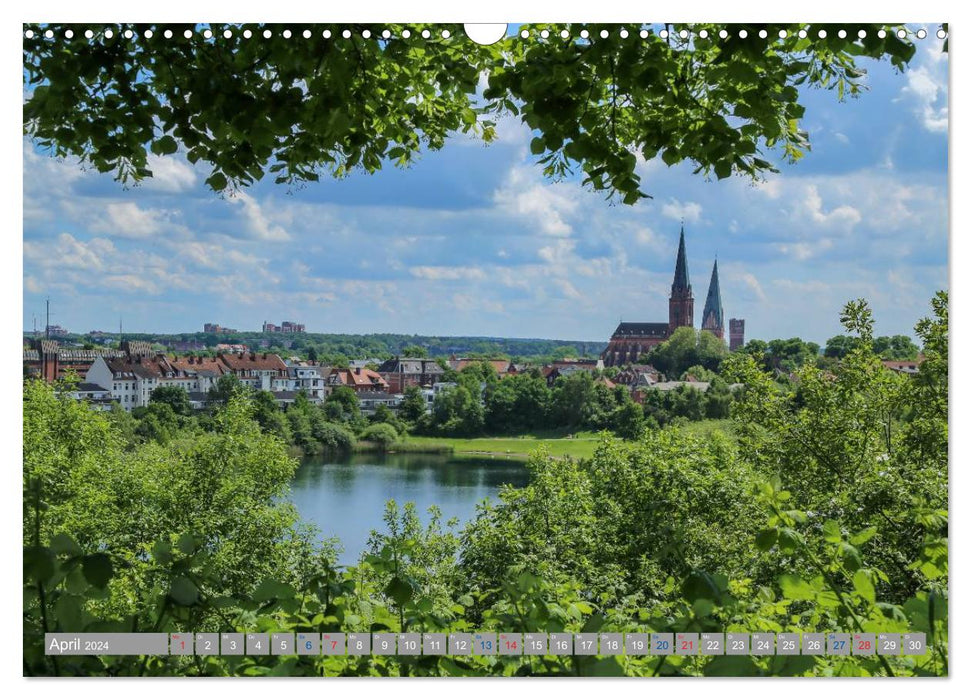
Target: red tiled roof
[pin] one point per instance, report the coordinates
(359, 378)
(253, 361)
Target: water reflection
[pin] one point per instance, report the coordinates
(345, 498)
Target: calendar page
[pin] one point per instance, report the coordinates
(542, 349)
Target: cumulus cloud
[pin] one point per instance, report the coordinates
(676, 209)
(557, 254)
(257, 224)
(926, 87)
(67, 252)
(546, 206)
(128, 220)
(170, 174)
(843, 216)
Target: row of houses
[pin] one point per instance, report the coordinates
(129, 375)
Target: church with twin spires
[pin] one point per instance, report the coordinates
(631, 342)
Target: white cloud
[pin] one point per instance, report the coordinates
(133, 283)
(568, 289)
(257, 223)
(475, 302)
(213, 256)
(127, 220)
(752, 283)
(805, 249)
(70, 253)
(656, 244)
(601, 268)
(429, 272)
(545, 205)
(926, 87)
(170, 174)
(675, 209)
(556, 254)
(843, 216)
(771, 187)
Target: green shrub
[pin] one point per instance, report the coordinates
(333, 437)
(381, 434)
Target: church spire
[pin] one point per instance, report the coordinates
(681, 280)
(713, 318)
(681, 303)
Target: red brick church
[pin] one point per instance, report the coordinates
(632, 341)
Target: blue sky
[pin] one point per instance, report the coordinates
(473, 241)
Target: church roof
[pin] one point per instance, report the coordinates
(681, 279)
(641, 330)
(713, 304)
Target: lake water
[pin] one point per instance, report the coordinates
(345, 498)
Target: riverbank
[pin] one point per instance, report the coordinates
(579, 445)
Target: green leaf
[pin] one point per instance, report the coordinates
(796, 588)
(607, 666)
(702, 607)
(789, 539)
(593, 623)
(217, 181)
(537, 146)
(63, 544)
(97, 569)
(732, 666)
(162, 552)
(271, 589)
(863, 586)
(38, 563)
(863, 536)
(851, 557)
(69, 610)
(766, 538)
(184, 591)
(399, 591)
(187, 544)
(284, 668)
(831, 531)
(164, 146)
(699, 584)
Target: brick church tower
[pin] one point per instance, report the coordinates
(681, 304)
(736, 333)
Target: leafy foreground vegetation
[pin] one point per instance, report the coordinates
(827, 512)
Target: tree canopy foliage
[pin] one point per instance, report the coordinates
(295, 107)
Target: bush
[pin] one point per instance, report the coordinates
(380, 434)
(333, 437)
